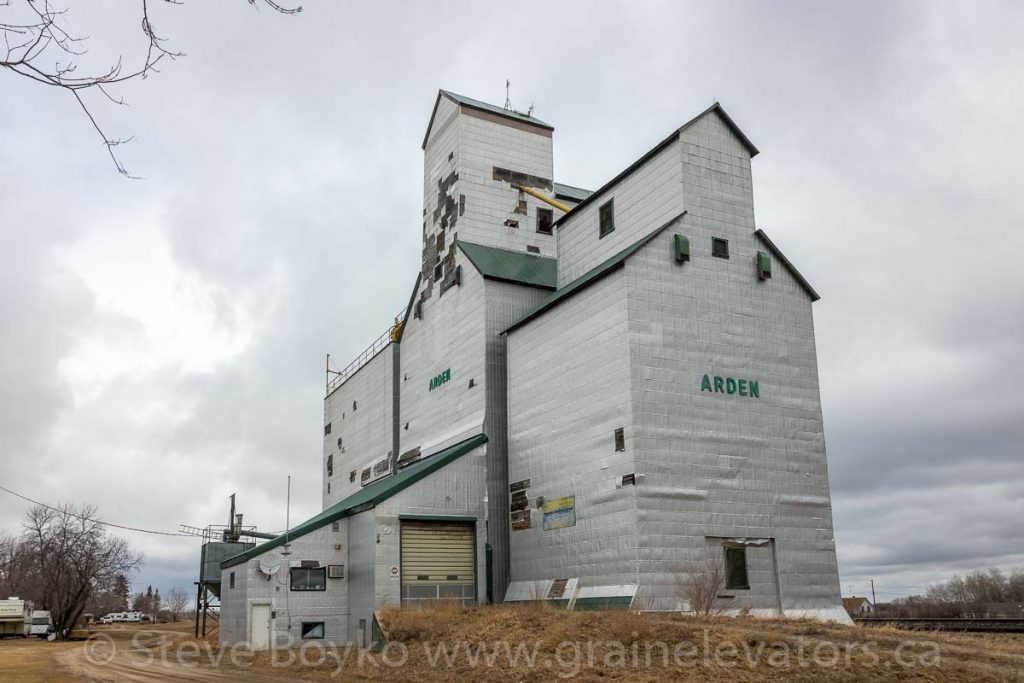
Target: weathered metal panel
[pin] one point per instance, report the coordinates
(360, 415)
(568, 393)
(505, 303)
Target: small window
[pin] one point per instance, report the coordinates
(327, 429)
(312, 630)
(335, 526)
(330, 465)
(606, 218)
(629, 479)
(231, 580)
(352, 475)
(354, 406)
(736, 568)
(309, 579)
(438, 272)
(719, 247)
(328, 487)
(545, 219)
(620, 439)
(532, 249)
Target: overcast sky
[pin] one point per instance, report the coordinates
(162, 341)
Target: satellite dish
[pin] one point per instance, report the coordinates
(269, 568)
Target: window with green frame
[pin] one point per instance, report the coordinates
(736, 568)
(606, 218)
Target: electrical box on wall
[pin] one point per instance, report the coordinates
(681, 247)
(764, 266)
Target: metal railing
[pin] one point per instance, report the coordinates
(335, 378)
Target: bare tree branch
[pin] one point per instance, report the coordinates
(40, 39)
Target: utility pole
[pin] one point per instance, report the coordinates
(873, 602)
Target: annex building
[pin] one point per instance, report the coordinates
(589, 396)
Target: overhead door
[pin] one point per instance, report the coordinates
(438, 561)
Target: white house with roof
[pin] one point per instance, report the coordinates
(587, 397)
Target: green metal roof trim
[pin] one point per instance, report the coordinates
(716, 107)
(512, 266)
(591, 276)
(481, 106)
(576, 194)
(365, 498)
(789, 265)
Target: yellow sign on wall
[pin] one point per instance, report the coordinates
(560, 513)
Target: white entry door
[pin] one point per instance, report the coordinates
(259, 628)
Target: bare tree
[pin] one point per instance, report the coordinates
(39, 45)
(700, 588)
(177, 601)
(63, 557)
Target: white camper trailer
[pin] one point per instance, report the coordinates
(15, 617)
(41, 626)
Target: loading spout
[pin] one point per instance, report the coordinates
(543, 198)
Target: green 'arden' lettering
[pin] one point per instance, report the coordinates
(730, 385)
(440, 379)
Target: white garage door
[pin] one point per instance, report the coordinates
(438, 561)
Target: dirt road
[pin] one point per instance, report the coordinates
(151, 654)
(133, 654)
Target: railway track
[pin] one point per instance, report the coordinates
(978, 625)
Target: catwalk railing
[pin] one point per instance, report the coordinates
(335, 378)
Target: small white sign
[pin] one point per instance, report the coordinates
(394, 572)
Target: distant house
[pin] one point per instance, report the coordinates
(858, 607)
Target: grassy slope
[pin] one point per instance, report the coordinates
(614, 646)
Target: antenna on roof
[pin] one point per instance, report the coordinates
(508, 100)
(529, 112)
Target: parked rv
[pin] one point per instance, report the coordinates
(41, 626)
(15, 617)
(122, 618)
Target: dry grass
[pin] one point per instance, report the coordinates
(631, 646)
(606, 646)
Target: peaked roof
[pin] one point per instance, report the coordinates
(854, 602)
(365, 498)
(576, 194)
(786, 262)
(481, 106)
(716, 108)
(512, 266)
(591, 276)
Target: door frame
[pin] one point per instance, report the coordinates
(270, 621)
(464, 519)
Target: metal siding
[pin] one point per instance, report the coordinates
(450, 335)
(571, 391)
(362, 570)
(365, 432)
(643, 201)
(707, 466)
(505, 303)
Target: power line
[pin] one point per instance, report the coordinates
(89, 519)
